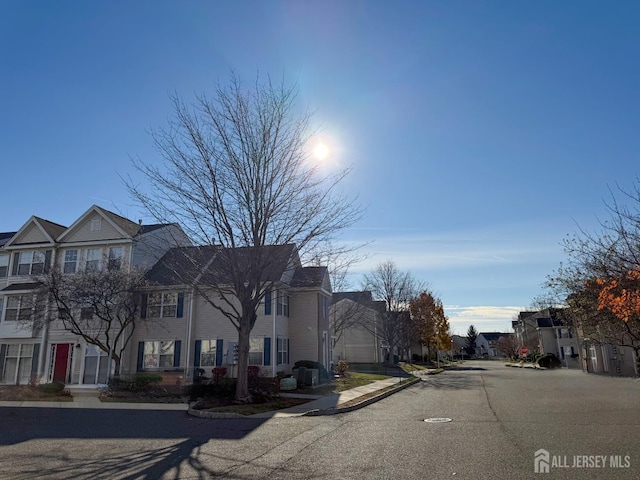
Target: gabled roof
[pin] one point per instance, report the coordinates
(5, 237)
(126, 227)
(494, 336)
(363, 298)
(52, 229)
(49, 229)
(309, 277)
(213, 264)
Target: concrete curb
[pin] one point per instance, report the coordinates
(364, 403)
(210, 414)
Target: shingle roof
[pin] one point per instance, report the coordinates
(129, 227)
(183, 265)
(5, 237)
(363, 298)
(21, 286)
(493, 336)
(307, 277)
(53, 229)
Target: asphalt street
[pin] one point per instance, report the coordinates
(500, 417)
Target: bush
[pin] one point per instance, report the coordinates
(342, 367)
(221, 388)
(139, 382)
(549, 360)
(52, 388)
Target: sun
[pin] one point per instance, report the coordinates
(321, 151)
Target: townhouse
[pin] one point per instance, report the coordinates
(180, 331)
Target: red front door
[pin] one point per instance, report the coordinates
(61, 362)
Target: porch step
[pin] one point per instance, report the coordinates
(84, 391)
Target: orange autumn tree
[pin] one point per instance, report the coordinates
(621, 296)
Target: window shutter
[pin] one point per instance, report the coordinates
(279, 309)
(14, 268)
(176, 354)
(288, 347)
(196, 353)
(267, 302)
(267, 351)
(180, 308)
(34, 359)
(140, 356)
(3, 352)
(219, 352)
(47, 261)
(143, 305)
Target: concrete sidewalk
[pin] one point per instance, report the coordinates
(319, 405)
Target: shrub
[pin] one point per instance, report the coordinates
(51, 388)
(222, 388)
(218, 373)
(549, 360)
(342, 367)
(139, 382)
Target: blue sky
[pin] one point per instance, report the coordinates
(481, 133)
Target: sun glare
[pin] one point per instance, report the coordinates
(321, 151)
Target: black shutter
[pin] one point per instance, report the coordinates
(14, 268)
(176, 354)
(47, 261)
(140, 356)
(180, 308)
(143, 306)
(34, 359)
(267, 351)
(196, 353)
(3, 352)
(219, 352)
(267, 302)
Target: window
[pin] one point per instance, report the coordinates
(96, 365)
(283, 304)
(94, 255)
(283, 351)
(70, 261)
(208, 353)
(31, 263)
(96, 224)
(4, 265)
(162, 304)
(18, 308)
(256, 351)
(86, 313)
(116, 255)
(159, 354)
(17, 363)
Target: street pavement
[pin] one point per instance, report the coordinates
(499, 417)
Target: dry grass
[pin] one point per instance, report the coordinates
(31, 393)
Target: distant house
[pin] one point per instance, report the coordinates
(350, 311)
(547, 331)
(487, 344)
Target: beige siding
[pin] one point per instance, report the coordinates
(355, 345)
(303, 327)
(31, 234)
(82, 232)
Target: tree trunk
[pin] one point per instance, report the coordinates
(242, 386)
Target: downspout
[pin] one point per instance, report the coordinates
(189, 329)
(274, 344)
(42, 355)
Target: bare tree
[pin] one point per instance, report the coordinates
(508, 346)
(597, 259)
(236, 173)
(396, 289)
(100, 306)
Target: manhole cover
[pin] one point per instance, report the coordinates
(437, 420)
